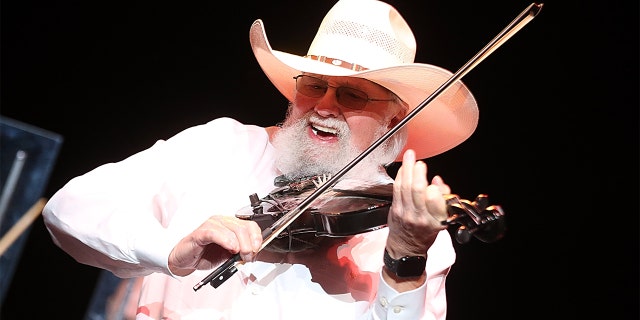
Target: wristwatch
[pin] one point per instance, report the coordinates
(405, 267)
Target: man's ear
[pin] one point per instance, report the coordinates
(396, 119)
(403, 111)
(393, 122)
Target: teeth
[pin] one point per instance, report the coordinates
(315, 129)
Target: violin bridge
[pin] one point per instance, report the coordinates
(320, 180)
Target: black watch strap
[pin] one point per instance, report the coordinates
(405, 267)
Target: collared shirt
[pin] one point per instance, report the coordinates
(127, 216)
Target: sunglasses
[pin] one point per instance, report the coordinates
(351, 98)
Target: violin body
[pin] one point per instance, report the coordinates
(334, 214)
(347, 215)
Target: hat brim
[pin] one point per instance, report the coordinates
(444, 123)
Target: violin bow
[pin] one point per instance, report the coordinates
(228, 268)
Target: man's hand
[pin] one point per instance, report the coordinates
(417, 209)
(214, 241)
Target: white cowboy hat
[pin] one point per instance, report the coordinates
(369, 39)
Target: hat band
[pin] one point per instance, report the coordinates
(337, 62)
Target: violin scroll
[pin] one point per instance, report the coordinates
(476, 218)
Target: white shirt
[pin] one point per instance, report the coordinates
(127, 216)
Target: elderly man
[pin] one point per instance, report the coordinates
(169, 213)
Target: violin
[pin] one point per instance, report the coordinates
(343, 213)
(476, 217)
(358, 209)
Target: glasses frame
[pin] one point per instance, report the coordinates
(340, 93)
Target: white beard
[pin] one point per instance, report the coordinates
(299, 157)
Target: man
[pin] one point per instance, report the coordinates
(169, 213)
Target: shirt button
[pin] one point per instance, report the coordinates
(384, 302)
(397, 309)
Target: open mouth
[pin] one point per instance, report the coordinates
(324, 133)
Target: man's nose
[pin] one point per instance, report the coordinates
(328, 105)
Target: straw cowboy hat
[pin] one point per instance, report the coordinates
(369, 39)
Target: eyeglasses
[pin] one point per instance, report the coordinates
(348, 97)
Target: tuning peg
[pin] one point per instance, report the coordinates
(493, 225)
(481, 202)
(463, 235)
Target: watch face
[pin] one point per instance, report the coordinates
(410, 266)
(405, 267)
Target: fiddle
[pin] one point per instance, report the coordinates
(359, 208)
(346, 212)
(477, 218)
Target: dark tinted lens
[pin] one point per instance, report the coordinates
(352, 98)
(316, 88)
(311, 86)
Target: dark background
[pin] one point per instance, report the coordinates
(556, 146)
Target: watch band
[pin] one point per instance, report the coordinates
(405, 267)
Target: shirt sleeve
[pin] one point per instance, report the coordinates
(127, 216)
